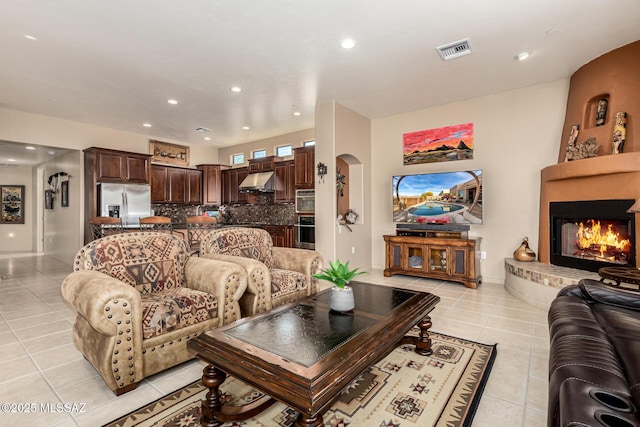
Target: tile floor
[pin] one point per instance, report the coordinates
(41, 367)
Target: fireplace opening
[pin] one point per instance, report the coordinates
(591, 234)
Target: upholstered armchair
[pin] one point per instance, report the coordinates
(139, 297)
(275, 276)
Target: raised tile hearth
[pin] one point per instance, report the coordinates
(538, 284)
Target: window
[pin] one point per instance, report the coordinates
(237, 159)
(283, 151)
(258, 154)
(309, 143)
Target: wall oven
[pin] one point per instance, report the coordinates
(305, 201)
(306, 232)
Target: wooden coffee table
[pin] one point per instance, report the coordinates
(619, 275)
(303, 355)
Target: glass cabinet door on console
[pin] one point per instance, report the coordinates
(438, 259)
(394, 256)
(459, 261)
(415, 257)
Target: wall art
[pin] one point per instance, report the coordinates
(165, 152)
(12, 204)
(64, 194)
(48, 199)
(438, 145)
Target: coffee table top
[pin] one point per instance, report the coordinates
(308, 331)
(621, 274)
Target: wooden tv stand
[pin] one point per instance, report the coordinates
(457, 260)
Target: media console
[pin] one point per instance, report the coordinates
(434, 253)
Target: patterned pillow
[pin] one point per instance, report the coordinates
(244, 242)
(150, 262)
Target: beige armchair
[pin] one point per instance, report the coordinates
(275, 275)
(139, 297)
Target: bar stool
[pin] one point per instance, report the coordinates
(105, 226)
(197, 228)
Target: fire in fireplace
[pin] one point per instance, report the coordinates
(591, 234)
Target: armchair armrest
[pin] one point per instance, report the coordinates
(258, 281)
(93, 293)
(301, 260)
(598, 292)
(226, 280)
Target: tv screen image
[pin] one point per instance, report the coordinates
(441, 197)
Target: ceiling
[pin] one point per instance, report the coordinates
(116, 63)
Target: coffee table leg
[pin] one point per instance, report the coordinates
(423, 343)
(212, 378)
(309, 421)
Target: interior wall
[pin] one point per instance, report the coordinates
(516, 134)
(63, 226)
(18, 237)
(295, 139)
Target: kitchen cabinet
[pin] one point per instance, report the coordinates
(118, 166)
(231, 179)
(284, 185)
(175, 185)
(212, 183)
(265, 164)
(282, 235)
(304, 158)
(451, 259)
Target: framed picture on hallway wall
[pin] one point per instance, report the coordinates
(48, 199)
(64, 194)
(12, 204)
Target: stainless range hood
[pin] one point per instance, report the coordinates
(257, 182)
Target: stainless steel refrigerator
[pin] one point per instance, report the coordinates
(127, 201)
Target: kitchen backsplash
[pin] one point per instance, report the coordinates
(262, 211)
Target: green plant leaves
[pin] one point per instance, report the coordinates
(338, 273)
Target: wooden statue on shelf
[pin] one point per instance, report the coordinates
(601, 112)
(619, 132)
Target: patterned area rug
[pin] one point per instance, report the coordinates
(403, 389)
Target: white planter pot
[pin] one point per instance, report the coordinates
(341, 299)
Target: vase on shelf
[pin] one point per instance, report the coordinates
(524, 252)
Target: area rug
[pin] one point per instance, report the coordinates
(403, 389)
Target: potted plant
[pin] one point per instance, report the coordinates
(341, 296)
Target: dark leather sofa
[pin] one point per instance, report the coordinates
(594, 360)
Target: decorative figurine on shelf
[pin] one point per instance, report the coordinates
(583, 150)
(571, 144)
(601, 113)
(524, 252)
(619, 132)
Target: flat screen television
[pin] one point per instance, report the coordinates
(438, 198)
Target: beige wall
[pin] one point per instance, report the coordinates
(516, 134)
(295, 139)
(18, 237)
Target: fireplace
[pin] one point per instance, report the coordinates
(591, 234)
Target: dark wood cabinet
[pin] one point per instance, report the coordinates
(304, 158)
(451, 259)
(282, 235)
(231, 179)
(175, 185)
(284, 185)
(212, 183)
(120, 166)
(265, 164)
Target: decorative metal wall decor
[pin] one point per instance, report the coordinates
(11, 204)
(439, 145)
(165, 152)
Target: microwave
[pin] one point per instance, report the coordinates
(305, 201)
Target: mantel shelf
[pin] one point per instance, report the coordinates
(594, 166)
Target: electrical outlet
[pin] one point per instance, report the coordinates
(353, 249)
(483, 255)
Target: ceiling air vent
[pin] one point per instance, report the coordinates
(454, 50)
(201, 129)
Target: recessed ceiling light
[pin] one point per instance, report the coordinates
(348, 43)
(522, 56)
(28, 147)
(172, 101)
(297, 113)
(246, 127)
(206, 138)
(147, 125)
(30, 37)
(235, 89)
(11, 160)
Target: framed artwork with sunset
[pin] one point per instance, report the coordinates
(438, 145)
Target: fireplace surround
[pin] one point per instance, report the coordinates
(590, 234)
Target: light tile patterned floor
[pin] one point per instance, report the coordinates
(41, 366)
